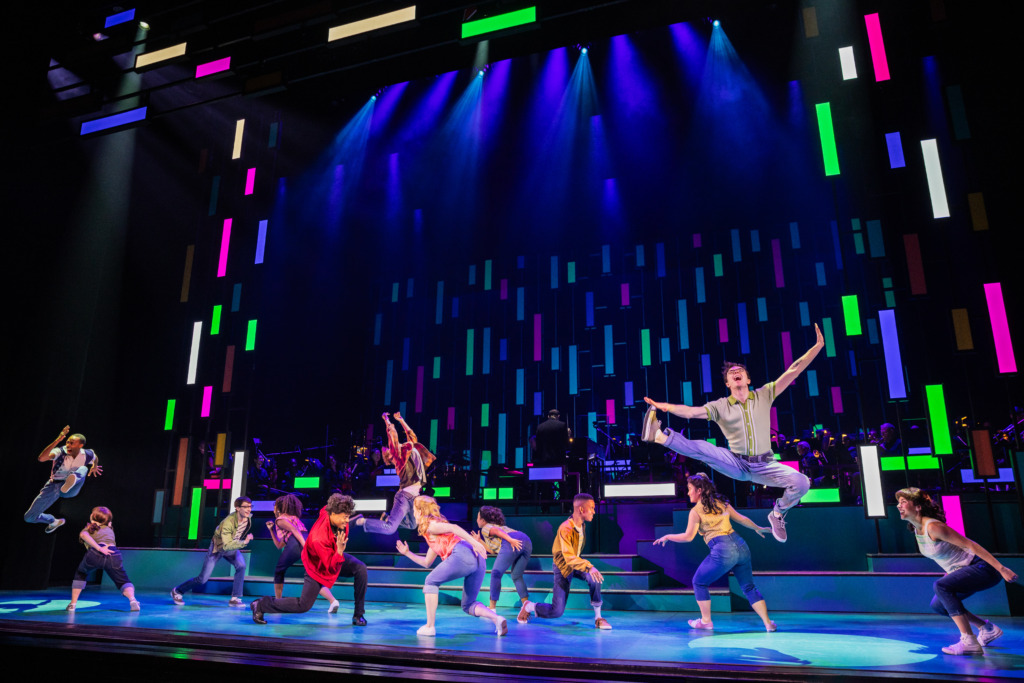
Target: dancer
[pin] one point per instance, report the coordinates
(514, 553)
(969, 568)
(71, 465)
(101, 553)
(324, 559)
(745, 418)
(568, 565)
(711, 516)
(410, 460)
(288, 533)
(462, 557)
(230, 536)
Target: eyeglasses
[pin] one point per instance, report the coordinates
(246, 506)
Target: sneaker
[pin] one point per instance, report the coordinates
(524, 616)
(501, 628)
(771, 627)
(257, 613)
(651, 425)
(177, 597)
(333, 609)
(778, 525)
(70, 607)
(602, 624)
(967, 645)
(988, 633)
(700, 625)
(69, 483)
(235, 602)
(135, 606)
(359, 621)
(54, 525)
(426, 631)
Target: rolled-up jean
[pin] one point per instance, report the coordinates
(953, 588)
(514, 562)
(465, 564)
(400, 516)
(113, 564)
(727, 552)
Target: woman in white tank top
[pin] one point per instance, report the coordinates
(969, 568)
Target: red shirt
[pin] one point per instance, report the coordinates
(320, 555)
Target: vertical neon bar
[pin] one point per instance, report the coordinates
(606, 258)
(871, 475)
(218, 453)
(169, 415)
(837, 401)
(851, 315)
(741, 315)
(684, 328)
(787, 350)
(450, 424)
(570, 272)
(237, 474)
(624, 294)
(915, 266)
(962, 329)
(186, 278)
(229, 366)
(536, 402)
(942, 444)
(485, 415)
(503, 289)
(699, 276)
(723, 330)
(538, 353)
(933, 170)
(554, 272)
(225, 240)
(954, 513)
(589, 305)
(573, 370)
(895, 145)
(419, 389)
(762, 309)
(487, 276)
(609, 354)
(659, 249)
(629, 394)
(877, 46)
(592, 430)
(376, 328)
(485, 355)
(666, 349)
(830, 342)
(645, 347)
(470, 333)
(437, 367)
(893, 358)
(439, 307)
(521, 385)
(1000, 328)
(812, 382)
(236, 297)
(828, 138)
(236, 148)
(609, 409)
(179, 471)
(705, 371)
(717, 259)
(521, 303)
(389, 373)
(433, 436)
(250, 336)
(501, 438)
(261, 242)
(214, 195)
(847, 63)
(193, 356)
(215, 320)
(193, 517)
(984, 462)
(207, 398)
(250, 180)
(780, 279)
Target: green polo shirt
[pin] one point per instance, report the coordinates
(748, 425)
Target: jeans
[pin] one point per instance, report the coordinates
(727, 552)
(463, 562)
(561, 593)
(772, 473)
(517, 560)
(237, 560)
(310, 588)
(48, 495)
(290, 554)
(953, 588)
(400, 516)
(112, 564)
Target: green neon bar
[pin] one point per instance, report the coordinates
(943, 445)
(893, 463)
(485, 415)
(505, 494)
(645, 347)
(851, 313)
(828, 138)
(193, 515)
(490, 494)
(433, 436)
(442, 491)
(499, 22)
(469, 351)
(830, 341)
(821, 496)
(250, 336)
(307, 482)
(169, 417)
(922, 462)
(215, 322)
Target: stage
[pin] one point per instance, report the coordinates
(205, 638)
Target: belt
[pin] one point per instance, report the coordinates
(764, 457)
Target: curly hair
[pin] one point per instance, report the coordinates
(339, 504)
(919, 498)
(710, 498)
(100, 516)
(288, 504)
(492, 515)
(429, 511)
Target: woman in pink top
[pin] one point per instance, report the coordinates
(462, 556)
(289, 535)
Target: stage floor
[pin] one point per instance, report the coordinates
(846, 646)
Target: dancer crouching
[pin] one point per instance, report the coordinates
(289, 535)
(101, 553)
(462, 556)
(969, 568)
(513, 554)
(711, 517)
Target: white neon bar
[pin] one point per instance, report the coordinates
(371, 24)
(238, 471)
(933, 169)
(638, 490)
(236, 150)
(372, 505)
(147, 58)
(193, 356)
(871, 476)
(847, 63)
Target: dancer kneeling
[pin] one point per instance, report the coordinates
(513, 554)
(711, 517)
(324, 559)
(288, 533)
(969, 568)
(462, 556)
(101, 553)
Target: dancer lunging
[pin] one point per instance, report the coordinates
(324, 559)
(71, 465)
(462, 557)
(745, 418)
(969, 568)
(568, 565)
(101, 553)
(410, 460)
(711, 516)
(512, 548)
(289, 535)
(230, 536)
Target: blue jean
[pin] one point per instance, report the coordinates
(953, 588)
(48, 495)
(560, 593)
(772, 473)
(517, 560)
(236, 559)
(112, 564)
(400, 516)
(727, 552)
(462, 563)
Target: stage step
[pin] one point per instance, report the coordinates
(895, 562)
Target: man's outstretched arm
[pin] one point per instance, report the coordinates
(798, 366)
(680, 410)
(44, 455)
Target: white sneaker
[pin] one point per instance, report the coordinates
(778, 525)
(69, 483)
(54, 525)
(967, 645)
(333, 609)
(177, 597)
(988, 633)
(651, 425)
(135, 605)
(426, 631)
(235, 602)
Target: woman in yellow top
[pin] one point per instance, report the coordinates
(711, 517)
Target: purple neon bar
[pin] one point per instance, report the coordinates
(250, 180)
(225, 240)
(837, 400)
(881, 64)
(893, 360)
(723, 330)
(261, 242)
(216, 66)
(451, 417)
(207, 399)
(895, 145)
(419, 388)
(780, 279)
(1000, 329)
(537, 351)
(787, 350)
(625, 293)
(609, 408)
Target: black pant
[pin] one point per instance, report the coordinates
(290, 554)
(310, 588)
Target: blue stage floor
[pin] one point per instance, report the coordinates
(863, 644)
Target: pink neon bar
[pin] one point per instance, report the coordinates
(787, 350)
(780, 279)
(609, 408)
(537, 353)
(217, 484)
(207, 399)
(419, 388)
(795, 464)
(775, 420)
(625, 293)
(1000, 329)
(877, 47)
(222, 264)
(250, 180)
(837, 400)
(451, 417)
(723, 330)
(696, 240)
(954, 515)
(213, 67)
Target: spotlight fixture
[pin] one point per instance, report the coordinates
(144, 25)
(584, 48)
(716, 23)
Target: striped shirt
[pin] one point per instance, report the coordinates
(748, 425)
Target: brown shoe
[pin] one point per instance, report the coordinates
(602, 624)
(524, 616)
